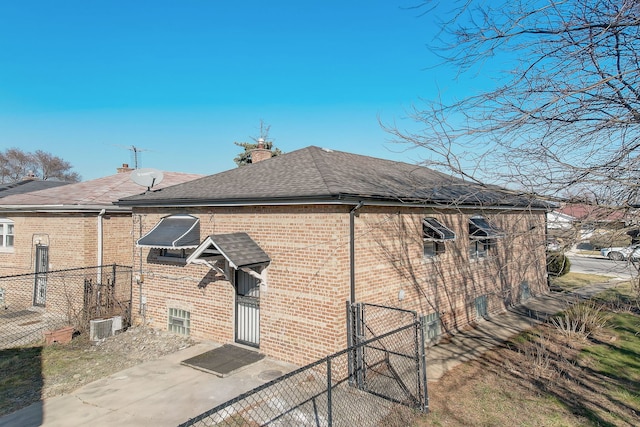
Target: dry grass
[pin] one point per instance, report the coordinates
(547, 377)
(30, 374)
(573, 281)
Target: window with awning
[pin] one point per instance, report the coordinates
(434, 234)
(434, 230)
(480, 228)
(173, 232)
(483, 237)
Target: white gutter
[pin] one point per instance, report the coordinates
(100, 248)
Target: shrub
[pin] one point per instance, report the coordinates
(581, 319)
(558, 264)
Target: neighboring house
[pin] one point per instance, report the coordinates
(26, 185)
(268, 254)
(71, 226)
(580, 222)
(559, 221)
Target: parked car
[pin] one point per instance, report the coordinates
(621, 253)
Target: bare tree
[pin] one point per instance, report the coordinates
(563, 118)
(16, 164)
(244, 158)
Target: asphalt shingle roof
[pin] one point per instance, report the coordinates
(318, 174)
(239, 249)
(27, 186)
(97, 192)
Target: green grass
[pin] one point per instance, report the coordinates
(620, 357)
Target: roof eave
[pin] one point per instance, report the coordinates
(63, 208)
(341, 199)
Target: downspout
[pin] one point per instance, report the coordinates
(100, 249)
(352, 250)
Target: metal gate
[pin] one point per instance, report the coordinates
(247, 309)
(390, 388)
(110, 298)
(42, 267)
(379, 365)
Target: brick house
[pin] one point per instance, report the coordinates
(268, 254)
(71, 226)
(26, 185)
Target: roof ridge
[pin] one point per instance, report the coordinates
(317, 158)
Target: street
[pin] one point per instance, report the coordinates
(603, 266)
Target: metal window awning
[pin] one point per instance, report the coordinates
(432, 229)
(173, 232)
(480, 228)
(238, 249)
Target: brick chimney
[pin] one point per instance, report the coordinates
(125, 168)
(259, 154)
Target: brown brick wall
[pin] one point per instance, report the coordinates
(302, 305)
(449, 283)
(72, 241)
(302, 313)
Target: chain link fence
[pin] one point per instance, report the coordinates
(376, 382)
(32, 304)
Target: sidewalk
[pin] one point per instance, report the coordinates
(165, 393)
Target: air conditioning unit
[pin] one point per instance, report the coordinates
(100, 329)
(116, 324)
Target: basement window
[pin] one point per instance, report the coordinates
(432, 328)
(482, 307)
(179, 321)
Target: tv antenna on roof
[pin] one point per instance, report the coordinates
(136, 154)
(147, 177)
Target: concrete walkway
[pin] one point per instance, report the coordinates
(165, 393)
(157, 393)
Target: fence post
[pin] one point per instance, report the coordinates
(359, 338)
(350, 342)
(329, 404)
(422, 369)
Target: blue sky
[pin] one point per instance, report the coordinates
(182, 80)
